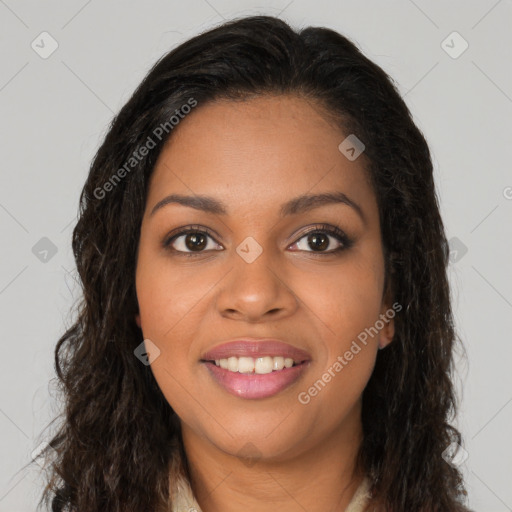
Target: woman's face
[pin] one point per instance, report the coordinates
(265, 268)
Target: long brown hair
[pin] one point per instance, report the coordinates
(118, 435)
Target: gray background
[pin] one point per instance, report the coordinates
(55, 111)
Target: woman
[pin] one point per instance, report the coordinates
(266, 318)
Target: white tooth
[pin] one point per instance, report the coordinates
(260, 365)
(245, 364)
(278, 363)
(263, 364)
(233, 363)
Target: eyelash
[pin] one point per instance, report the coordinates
(319, 228)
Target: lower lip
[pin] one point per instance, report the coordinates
(254, 385)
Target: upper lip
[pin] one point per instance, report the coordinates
(255, 347)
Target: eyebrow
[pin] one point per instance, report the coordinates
(297, 205)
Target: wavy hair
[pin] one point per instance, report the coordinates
(119, 439)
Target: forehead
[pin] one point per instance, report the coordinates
(269, 146)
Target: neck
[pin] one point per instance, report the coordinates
(322, 477)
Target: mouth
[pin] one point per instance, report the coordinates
(255, 369)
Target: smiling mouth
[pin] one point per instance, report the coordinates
(256, 378)
(255, 365)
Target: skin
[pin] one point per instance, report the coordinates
(254, 156)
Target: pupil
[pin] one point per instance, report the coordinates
(195, 241)
(318, 241)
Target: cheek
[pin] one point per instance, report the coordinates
(346, 298)
(172, 301)
(347, 305)
(170, 309)
(170, 295)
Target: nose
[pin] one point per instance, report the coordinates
(256, 291)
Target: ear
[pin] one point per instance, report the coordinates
(387, 333)
(137, 320)
(387, 316)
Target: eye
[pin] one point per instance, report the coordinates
(191, 241)
(319, 239)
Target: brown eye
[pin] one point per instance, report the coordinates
(195, 241)
(318, 241)
(190, 241)
(320, 238)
